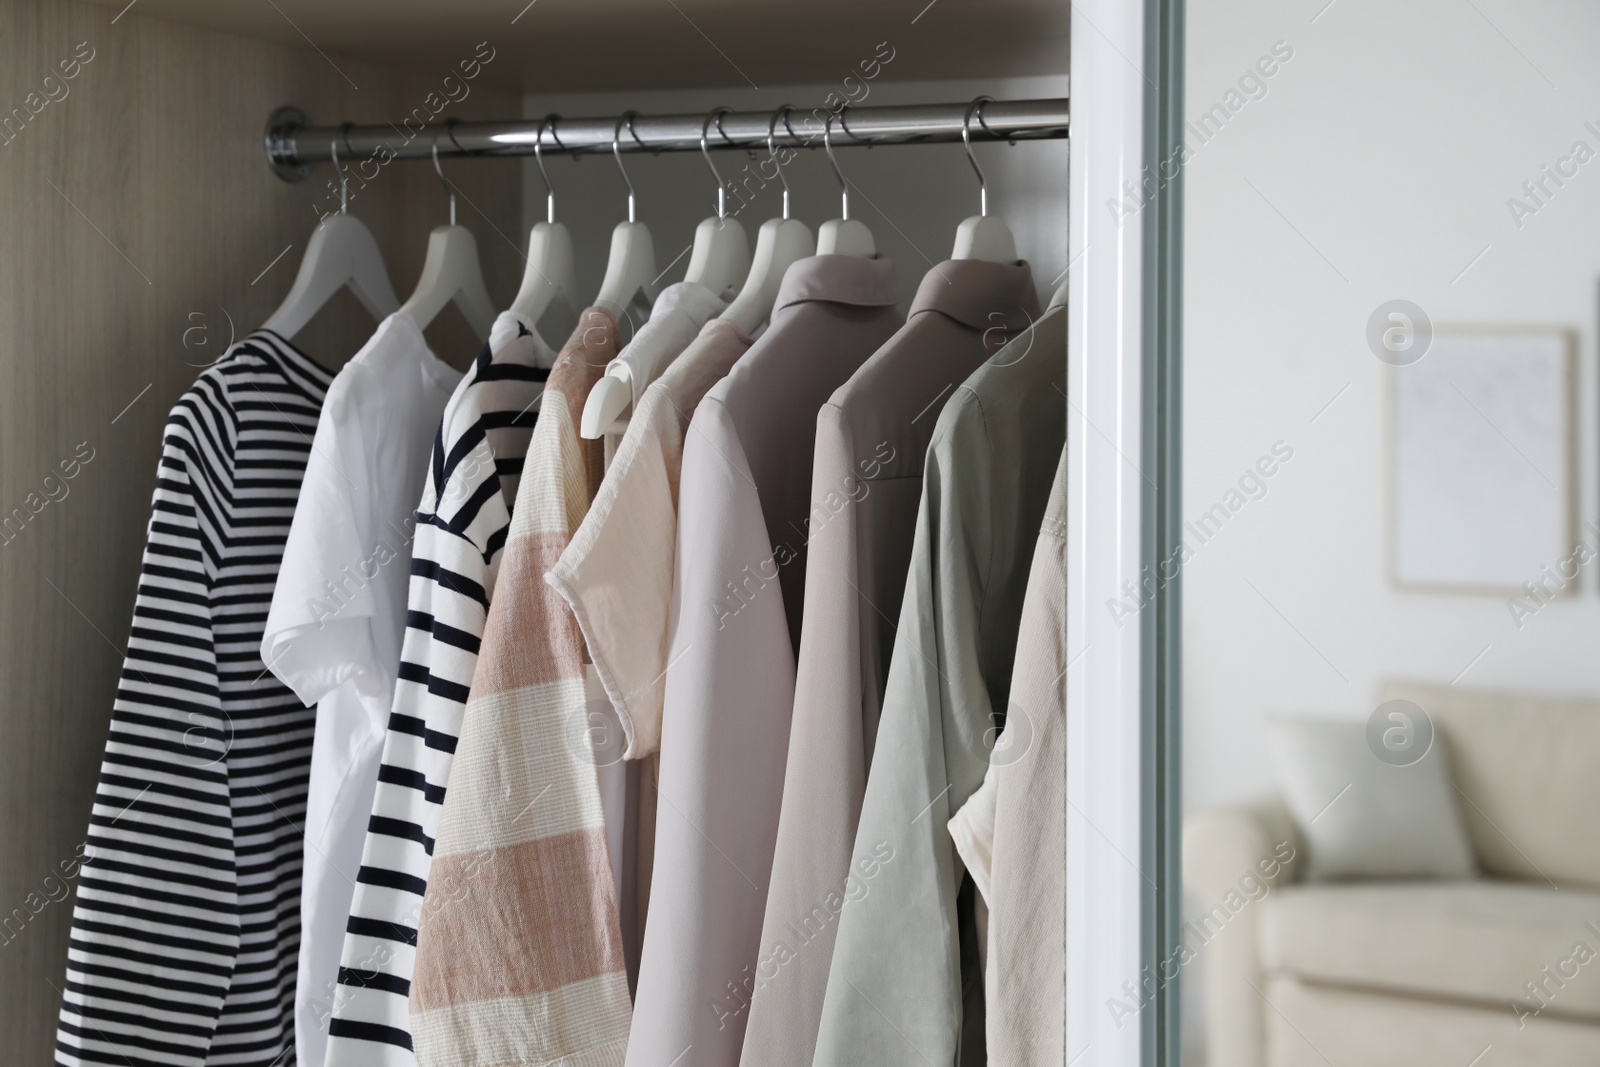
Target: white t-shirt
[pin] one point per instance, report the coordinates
(338, 615)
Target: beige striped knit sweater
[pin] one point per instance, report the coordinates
(519, 953)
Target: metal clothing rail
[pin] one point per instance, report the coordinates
(292, 144)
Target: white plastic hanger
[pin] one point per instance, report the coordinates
(720, 258)
(982, 237)
(843, 236)
(631, 270)
(779, 244)
(341, 252)
(450, 272)
(551, 271)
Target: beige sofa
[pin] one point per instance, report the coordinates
(1417, 974)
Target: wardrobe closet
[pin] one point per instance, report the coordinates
(217, 210)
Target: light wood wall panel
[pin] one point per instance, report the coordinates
(138, 199)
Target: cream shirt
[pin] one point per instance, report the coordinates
(1012, 833)
(617, 572)
(616, 576)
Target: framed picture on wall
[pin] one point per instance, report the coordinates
(1482, 459)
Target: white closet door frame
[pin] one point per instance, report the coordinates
(1122, 492)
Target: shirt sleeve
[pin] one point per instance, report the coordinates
(155, 930)
(448, 601)
(972, 830)
(895, 985)
(318, 632)
(616, 575)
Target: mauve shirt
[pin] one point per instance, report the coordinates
(739, 577)
(866, 482)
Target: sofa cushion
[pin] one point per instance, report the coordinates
(1362, 817)
(1308, 1025)
(1525, 768)
(1479, 941)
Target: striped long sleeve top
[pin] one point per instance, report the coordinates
(185, 934)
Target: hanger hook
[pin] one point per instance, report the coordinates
(772, 148)
(722, 187)
(616, 153)
(450, 132)
(344, 183)
(827, 146)
(966, 140)
(555, 135)
(439, 170)
(538, 145)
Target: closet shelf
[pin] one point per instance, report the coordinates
(292, 144)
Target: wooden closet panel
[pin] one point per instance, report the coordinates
(135, 201)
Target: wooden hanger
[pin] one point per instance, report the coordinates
(779, 244)
(342, 252)
(982, 236)
(551, 271)
(843, 236)
(451, 273)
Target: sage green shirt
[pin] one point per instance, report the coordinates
(905, 989)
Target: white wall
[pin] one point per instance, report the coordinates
(1377, 166)
(911, 196)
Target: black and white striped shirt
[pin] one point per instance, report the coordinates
(186, 932)
(462, 523)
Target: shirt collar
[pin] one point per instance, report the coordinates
(691, 298)
(399, 338)
(979, 294)
(854, 280)
(715, 326)
(508, 327)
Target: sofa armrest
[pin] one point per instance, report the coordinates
(1232, 859)
(1222, 845)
